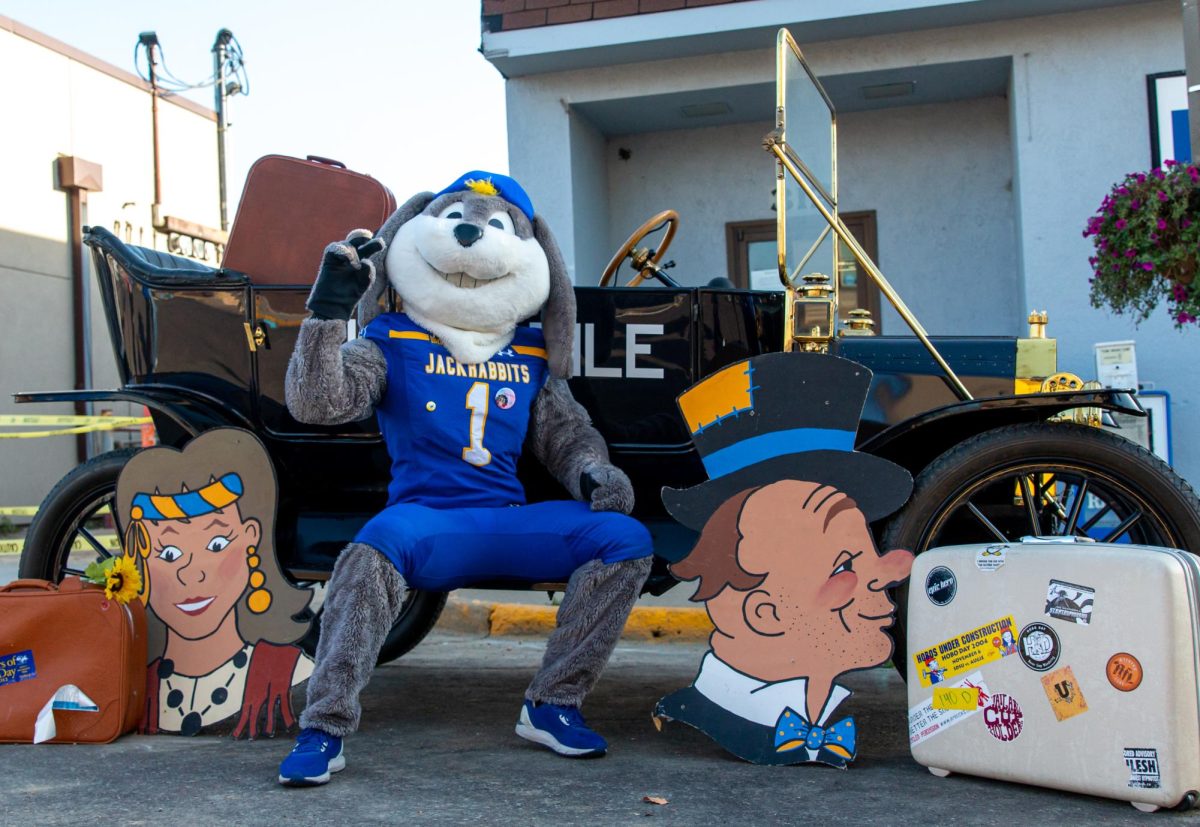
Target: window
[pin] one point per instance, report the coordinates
(753, 260)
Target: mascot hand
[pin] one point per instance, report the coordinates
(607, 488)
(345, 275)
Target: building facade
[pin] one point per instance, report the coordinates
(975, 139)
(61, 102)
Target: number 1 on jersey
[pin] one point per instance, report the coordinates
(477, 403)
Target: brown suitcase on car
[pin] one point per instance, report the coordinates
(292, 208)
(52, 636)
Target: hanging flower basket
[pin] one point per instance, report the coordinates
(1147, 239)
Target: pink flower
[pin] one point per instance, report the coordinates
(1120, 225)
(1169, 163)
(1162, 223)
(1141, 179)
(1131, 253)
(1162, 196)
(1135, 204)
(1178, 292)
(1148, 267)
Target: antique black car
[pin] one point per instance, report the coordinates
(1001, 444)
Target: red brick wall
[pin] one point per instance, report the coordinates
(505, 15)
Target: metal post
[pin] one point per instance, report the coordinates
(221, 94)
(150, 40)
(77, 177)
(1191, 53)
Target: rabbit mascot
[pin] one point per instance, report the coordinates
(459, 386)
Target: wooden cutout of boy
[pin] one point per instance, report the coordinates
(787, 567)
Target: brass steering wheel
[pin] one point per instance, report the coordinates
(644, 260)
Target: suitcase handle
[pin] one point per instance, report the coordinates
(29, 583)
(330, 161)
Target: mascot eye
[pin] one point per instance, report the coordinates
(501, 221)
(169, 553)
(218, 543)
(455, 210)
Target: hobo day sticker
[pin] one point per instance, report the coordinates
(982, 645)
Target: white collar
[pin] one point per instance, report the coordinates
(756, 700)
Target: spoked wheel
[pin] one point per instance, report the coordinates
(63, 539)
(1044, 479)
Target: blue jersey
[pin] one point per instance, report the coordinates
(454, 432)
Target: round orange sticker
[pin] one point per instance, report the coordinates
(1124, 672)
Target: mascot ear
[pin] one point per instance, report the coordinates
(558, 316)
(368, 305)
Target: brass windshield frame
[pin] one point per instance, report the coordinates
(789, 165)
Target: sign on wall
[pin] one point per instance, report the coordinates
(1169, 136)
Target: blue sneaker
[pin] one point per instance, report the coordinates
(315, 756)
(561, 728)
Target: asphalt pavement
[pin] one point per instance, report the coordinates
(437, 747)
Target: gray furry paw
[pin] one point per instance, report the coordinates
(344, 276)
(607, 488)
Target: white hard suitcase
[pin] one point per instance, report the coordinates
(1059, 664)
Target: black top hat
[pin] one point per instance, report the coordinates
(783, 416)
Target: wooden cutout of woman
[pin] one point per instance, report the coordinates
(222, 619)
(786, 563)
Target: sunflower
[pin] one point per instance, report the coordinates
(123, 581)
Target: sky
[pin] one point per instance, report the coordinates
(394, 89)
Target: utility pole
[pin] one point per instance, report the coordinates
(150, 41)
(1191, 53)
(222, 88)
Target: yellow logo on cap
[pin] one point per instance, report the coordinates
(482, 186)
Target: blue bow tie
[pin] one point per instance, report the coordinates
(835, 744)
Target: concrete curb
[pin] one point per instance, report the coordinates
(663, 624)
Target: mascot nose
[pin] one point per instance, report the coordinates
(467, 234)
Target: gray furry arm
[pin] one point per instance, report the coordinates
(563, 439)
(331, 381)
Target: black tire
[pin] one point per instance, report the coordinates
(1059, 459)
(60, 519)
(78, 496)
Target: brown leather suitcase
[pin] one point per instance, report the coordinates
(52, 636)
(291, 208)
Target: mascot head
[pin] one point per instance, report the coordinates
(471, 262)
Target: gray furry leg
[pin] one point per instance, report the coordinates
(595, 607)
(362, 602)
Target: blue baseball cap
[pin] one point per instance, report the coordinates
(491, 183)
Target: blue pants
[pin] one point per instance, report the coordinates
(440, 549)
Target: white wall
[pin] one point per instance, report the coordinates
(709, 176)
(940, 180)
(58, 106)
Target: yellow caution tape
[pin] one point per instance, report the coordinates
(65, 419)
(110, 542)
(101, 423)
(30, 510)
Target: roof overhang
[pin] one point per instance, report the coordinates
(853, 92)
(740, 26)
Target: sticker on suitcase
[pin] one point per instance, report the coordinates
(17, 667)
(1038, 647)
(940, 585)
(1124, 672)
(1062, 690)
(982, 645)
(991, 558)
(1144, 772)
(1003, 717)
(925, 720)
(1068, 601)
